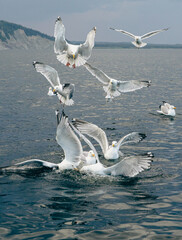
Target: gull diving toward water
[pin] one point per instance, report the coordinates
(64, 92)
(75, 159)
(114, 87)
(109, 151)
(138, 39)
(69, 54)
(167, 109)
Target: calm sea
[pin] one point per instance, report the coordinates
(71, 205)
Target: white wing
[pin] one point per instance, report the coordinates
(133, 137)
(60, 43)
(88, 142)
(92, 131)
(130, 166)
(132, 85)
(48, 72)
(124, 32)
(100, 75)
(164, 109)
(68, 140)
(85, 49)
(147, 35)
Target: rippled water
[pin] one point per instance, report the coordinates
(71, 205)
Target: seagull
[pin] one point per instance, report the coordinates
(138, 39)
(127, 167)
(64, 92)
(109, 151)
(167, 109)
(114, 87)
(69, 54)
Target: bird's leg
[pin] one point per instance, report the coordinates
(68, 64)
(74, 66)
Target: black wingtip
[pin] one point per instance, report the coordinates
(58, 19)
(36, 62)
(142, 135)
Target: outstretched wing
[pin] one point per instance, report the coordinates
(48, 72)
(92, 131)
(133, 137)
(60, 43)
(130, 166)
(68, 140)
(100, 75)
(85, 49)
(132, 85)
(124, 32)
(147, 35)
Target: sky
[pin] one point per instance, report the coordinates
(80, 16)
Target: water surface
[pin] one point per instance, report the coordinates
(70, 205)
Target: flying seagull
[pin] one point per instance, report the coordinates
(114, 87)
(64, 92)
(167, 109)
(138, 39)
(110, 151)
(69, 54)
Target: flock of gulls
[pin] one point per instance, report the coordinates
(70, 133)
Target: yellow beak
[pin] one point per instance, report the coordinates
(174, 107)
(93, 155)
(54, 90)
(113, 145)
(73, 56)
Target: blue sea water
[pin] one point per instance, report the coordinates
(71, 205)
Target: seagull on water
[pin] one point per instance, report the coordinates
(69, 54)
(114, 87)
(138, 39)
(167, 109)
(66, 137)
(64, 92)
(110, 151)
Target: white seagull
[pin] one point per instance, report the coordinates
(167, 109)
(138, 39)
(114, 87)
(110, 151)
(69, 54)
(64, 92)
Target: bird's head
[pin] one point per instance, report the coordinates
(114, 144)
(91, 153)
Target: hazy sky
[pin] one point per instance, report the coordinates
(79, 16)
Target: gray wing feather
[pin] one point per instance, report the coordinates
(130, 166)
(48, 72)
(132, 85)
(60, 43)
(164, 109)
(92, 131)
(124, 32)
(133, 137)
(147, 35)
(85, 49)
(68, 140)
(100, 75)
